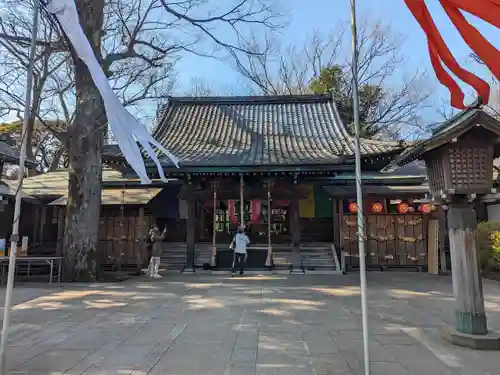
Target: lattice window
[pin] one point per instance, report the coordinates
(468, 167)
(436, 175)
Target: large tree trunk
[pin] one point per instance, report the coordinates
(85, 137)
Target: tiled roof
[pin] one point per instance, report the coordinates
(455, 127)
(10, 190)
(114, 197)
(56, 183)
(9, 154)
(255, 131)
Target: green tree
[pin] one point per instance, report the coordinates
(8, 128)
(335, 81)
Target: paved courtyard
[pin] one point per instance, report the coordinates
(215, 325)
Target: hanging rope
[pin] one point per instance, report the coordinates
(213, 261)
(489, 11)
(269, 259)
(242, 202)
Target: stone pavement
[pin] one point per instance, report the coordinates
(215, 325)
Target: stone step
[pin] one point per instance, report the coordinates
(311, 257)
(317, 258)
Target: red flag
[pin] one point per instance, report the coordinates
(489, 11)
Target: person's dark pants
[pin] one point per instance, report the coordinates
(239, 259)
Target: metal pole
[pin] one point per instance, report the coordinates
(359, 194)
(17, 206)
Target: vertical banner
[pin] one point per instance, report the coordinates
(322, 203)
(307, 209)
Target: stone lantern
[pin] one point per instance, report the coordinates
(459, 162)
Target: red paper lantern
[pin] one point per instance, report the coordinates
(256, 209)
(425, 208)
(403, 208)
(353, 207)
(377, 207)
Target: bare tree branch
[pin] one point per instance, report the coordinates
(290, 69)
(142, 42)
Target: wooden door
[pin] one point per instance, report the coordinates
(392, 240)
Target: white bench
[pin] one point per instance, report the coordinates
(51, 261)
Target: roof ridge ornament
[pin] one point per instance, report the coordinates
(479, 103)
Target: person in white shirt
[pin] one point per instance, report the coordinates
(239, 244)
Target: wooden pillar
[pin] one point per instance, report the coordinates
(295, 228)
(142, 248)
(36, 225)
(433, 246)
(340, 221)
(43, 218)
(335, 223)
(61, 210)
(337, 234)
(340, 228)
(213, 261)
(202, 234)
(467, 284)
(190, 229)
(442, 239)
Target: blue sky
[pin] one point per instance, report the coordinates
(308, 15)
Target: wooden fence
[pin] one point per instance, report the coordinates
(392, 240)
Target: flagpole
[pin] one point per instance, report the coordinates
(359, 193)
(17, 205)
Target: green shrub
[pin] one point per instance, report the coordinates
(488, 236)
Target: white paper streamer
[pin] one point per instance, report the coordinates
(125, 127)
